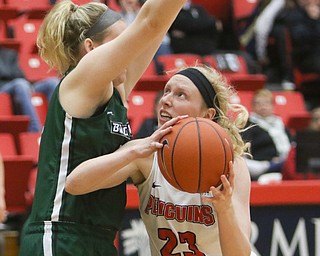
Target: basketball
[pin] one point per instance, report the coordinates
(195, 154)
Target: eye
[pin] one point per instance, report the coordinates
(181, 94)
(166, 91)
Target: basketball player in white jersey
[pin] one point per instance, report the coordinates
(215, 223)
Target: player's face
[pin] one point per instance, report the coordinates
(181, 97)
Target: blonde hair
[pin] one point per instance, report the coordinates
(264, 93)
(231, 116)
(63, 30)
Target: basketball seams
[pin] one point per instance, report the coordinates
(210, 158)
(224, 149)
(172, 154)
(200, 155)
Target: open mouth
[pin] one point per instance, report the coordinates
(165, 116)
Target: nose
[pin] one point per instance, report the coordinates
(165, 99)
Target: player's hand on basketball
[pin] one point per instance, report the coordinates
(165, 129)
(150, 144)
(222, 197)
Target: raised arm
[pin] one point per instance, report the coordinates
(92, 77)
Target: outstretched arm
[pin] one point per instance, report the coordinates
(112, 169)
(107, 61)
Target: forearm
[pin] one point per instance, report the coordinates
(138, 67)
(96, 173)
(154, 11)
(232, 238)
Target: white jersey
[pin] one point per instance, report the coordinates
(176, 221)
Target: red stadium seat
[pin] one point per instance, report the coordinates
(302, 78)
(151, 71)
(113, 5)
(173, 62)
(242, 9)
(26, 31)
(140, 107)
(247, 82)
(3, 34)
(8, 12)
(30, 144)
(17, 172)
(290, 106)
(6, 107)
(227, 63)
(7, 145)
(14, 124)
(39, 101)
(11, 44)
(34, 67)
(235, 68)
(219, 9)
(33, 8)
(150, 80)
(244, 98)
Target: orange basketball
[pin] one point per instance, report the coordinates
(195, 155)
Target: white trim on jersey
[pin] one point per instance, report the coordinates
(47, 238)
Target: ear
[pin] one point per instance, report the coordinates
(210, 113)
(88, 45)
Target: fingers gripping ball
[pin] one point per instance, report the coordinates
(195, 155)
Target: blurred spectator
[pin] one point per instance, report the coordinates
(149, 125)
(303, 21)
(129, 10)
(195, 31)
(13, 81)
(265, 29)
(289, 171)
(270, 140)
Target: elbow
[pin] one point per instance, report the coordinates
(71, 187)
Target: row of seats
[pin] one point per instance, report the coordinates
(20, 169)
(233, 66)
(289, 105)
(19, 149)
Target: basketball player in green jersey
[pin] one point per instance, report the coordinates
(100, 61)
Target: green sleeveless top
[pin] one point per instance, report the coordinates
(65, 143)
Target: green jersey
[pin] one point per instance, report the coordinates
(58, 218)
